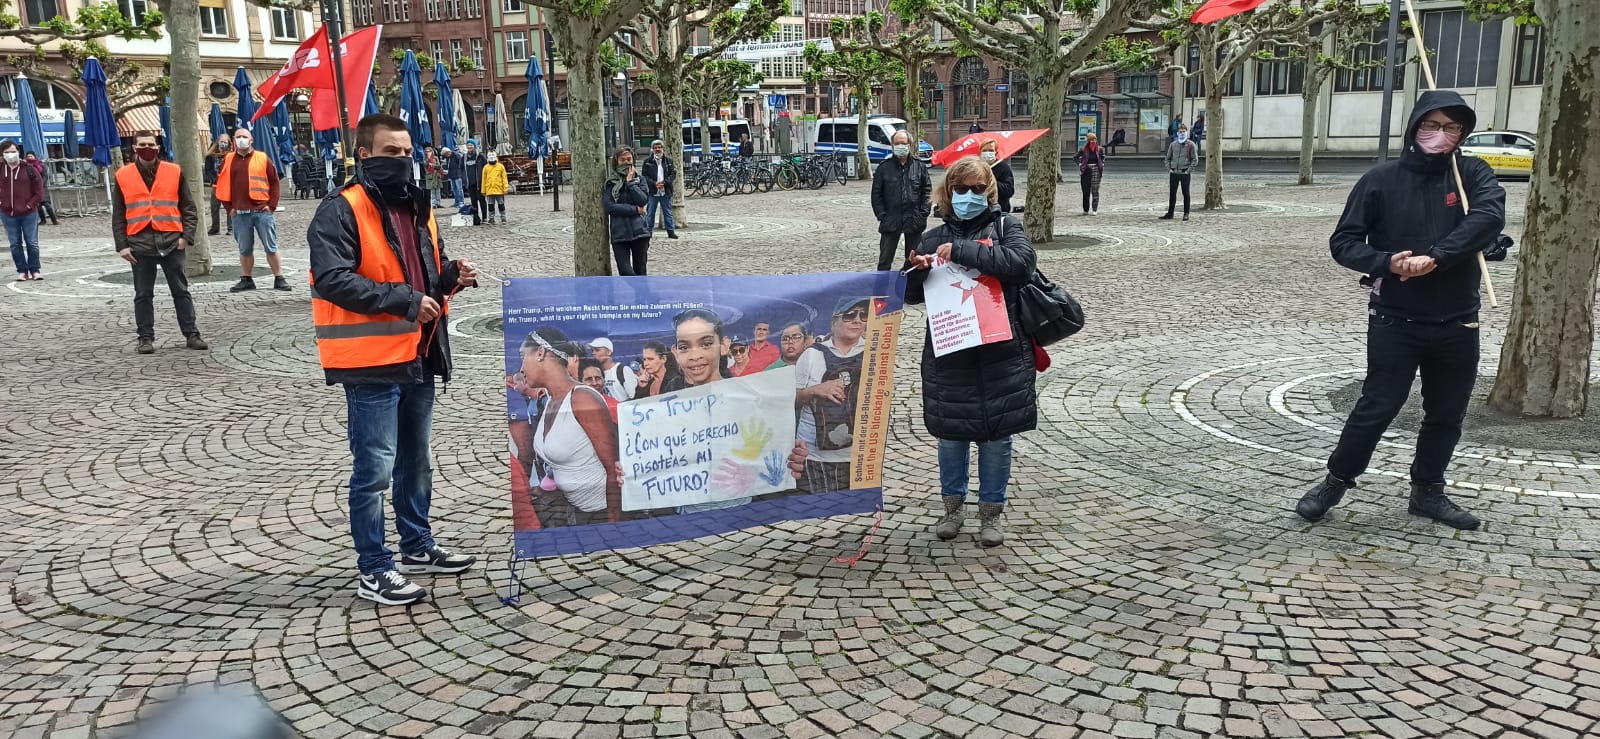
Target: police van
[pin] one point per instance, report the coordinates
(725, 136)
(838, 136)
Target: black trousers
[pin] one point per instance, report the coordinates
(1174, 180)
(1089, 182)
(887, 242)
(1447, 356)
(144, 293)
(480, 208)
(631, 256)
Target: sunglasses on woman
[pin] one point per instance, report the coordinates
(964, 189)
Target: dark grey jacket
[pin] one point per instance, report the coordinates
(985, 393)
(900, 195)
(647, 172)
(627, 223)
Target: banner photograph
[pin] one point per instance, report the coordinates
(645, 410)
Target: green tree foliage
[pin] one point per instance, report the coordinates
(94, 21)
(910, 43)
(712, 83)
(129, 85)
(860, 68)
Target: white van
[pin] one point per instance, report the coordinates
(838, 136)
(725, 136)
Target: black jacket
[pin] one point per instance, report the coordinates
(900, 195)
(985, 393)
(647, 171)
(1007, 182)
(1412, 205)
(150, 242)
(452, 166)
(626, 222)
(335, 245)
(472, 171)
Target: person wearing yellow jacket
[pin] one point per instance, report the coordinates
(495, 185)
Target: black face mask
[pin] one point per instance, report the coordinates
(390, 175)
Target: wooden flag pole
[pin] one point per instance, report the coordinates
(1455, 167)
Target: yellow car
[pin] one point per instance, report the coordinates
(1510, 153)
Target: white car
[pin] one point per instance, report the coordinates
(1510, 153)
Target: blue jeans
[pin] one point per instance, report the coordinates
(456, 190)
(665, 201)
(24, 234)
(251, 226)
(994, 469)
(389, 427)
(433, 196)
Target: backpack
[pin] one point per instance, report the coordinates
(836, 421)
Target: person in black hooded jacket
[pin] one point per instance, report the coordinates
(985, 394)
(1405, 227)
(381, 284)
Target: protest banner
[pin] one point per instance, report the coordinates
(646, 410)
(966, 308)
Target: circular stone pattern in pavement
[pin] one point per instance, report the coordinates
(1252, 428)
(1234, 208)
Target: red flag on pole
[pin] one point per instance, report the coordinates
(307, 67)
(357, 53)
(1216, 10)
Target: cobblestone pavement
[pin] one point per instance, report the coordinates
(179, 520)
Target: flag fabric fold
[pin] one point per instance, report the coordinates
(1216, 10)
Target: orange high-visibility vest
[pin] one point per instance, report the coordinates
(260, 186)
(350, 340)
(153, 207)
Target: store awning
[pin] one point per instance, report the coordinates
(144, 118)
(52, 131)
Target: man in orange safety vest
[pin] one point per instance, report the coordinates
(152, 224)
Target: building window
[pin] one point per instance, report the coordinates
(511, 6)
(931, 96)
(1369, 78)
(134, 10)
(405, 9)
(477, 53)
(437, 51)
(213, 21)
(431, 7)
(1196, 86)
(517, 46)
(1464, 53)
(970, 81)
(1530, 55)
(455, 52)
(220, 90)
(286, 24)
(46, 95)
(1283, 76)
(361, 13)
(39, 11)
(474, 8)
(1020, 97)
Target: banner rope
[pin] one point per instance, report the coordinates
(514, 568)
(866, 543)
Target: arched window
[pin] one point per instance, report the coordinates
(646, 122)
(46, 95)
(1020, 96)
(970, 82)
(929, 80)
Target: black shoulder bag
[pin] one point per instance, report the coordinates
(1048, 312)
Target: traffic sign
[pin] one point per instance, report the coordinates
(1002, 87)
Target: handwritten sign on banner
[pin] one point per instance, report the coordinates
(723, 441)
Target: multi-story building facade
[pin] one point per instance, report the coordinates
(445, 30)
(234, 33)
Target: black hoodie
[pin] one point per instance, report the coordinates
(1412, 205)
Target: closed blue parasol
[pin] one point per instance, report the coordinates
(99, 123)
(536, 120)
(412, 108)
(215, 122)
(447, 106)
(166, 125)
(283, 133)
(371, 106)
(247, 103)
(28, 118)
(69, 136)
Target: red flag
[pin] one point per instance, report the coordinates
(307, 67)
(1216, 10)
(357, 53)
(1006, 144)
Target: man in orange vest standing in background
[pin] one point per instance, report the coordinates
(380, 286)
(152, 223)
(248, 187)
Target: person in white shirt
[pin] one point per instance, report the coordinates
(659, 174)
(828, 378)
(621, 381)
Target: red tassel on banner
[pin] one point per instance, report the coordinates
(866, 543)
(1216, 10)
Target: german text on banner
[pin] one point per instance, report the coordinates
(966, 308)
(646, 410)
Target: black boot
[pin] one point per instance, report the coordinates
(1327, 494)
(1429, 501)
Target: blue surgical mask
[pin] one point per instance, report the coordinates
(969, 205)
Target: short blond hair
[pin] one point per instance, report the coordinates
(964, 169)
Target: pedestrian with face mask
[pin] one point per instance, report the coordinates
(984, 395)
(659, 174)
(1407, 228)
(248, 188)
(152, 224)
(1181, 156)
(1091, 167)
(21, 192)
(624, 200)
(900, 188)
(472, 181)
(989, 152)
(215, 156)
(495, 185)
(381, 287)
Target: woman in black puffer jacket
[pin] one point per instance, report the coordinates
(982, 395)
(624, 201)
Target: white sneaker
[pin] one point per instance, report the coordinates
(389, 588)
